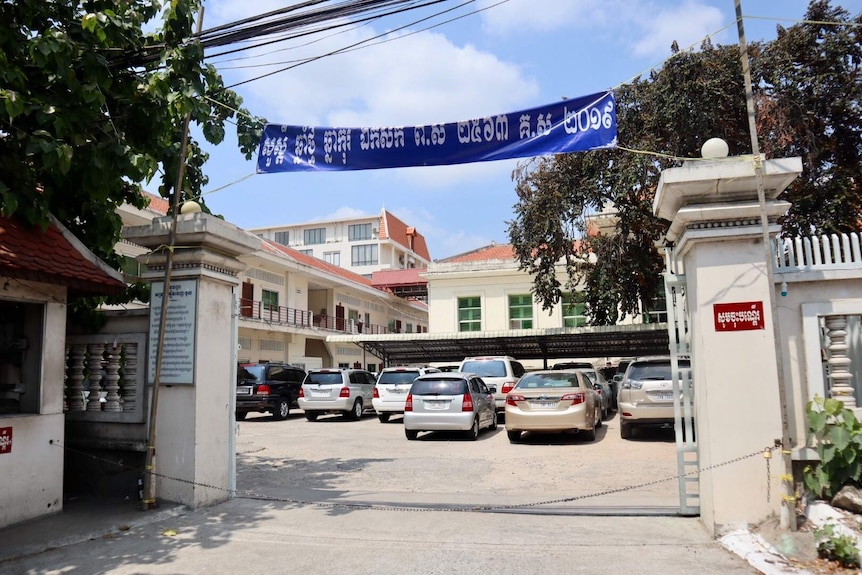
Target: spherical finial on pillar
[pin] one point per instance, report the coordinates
(714, 148)
(190, 207)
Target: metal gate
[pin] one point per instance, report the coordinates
(683, 394)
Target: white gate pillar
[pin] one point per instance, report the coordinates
(194, 459)
(715, 226)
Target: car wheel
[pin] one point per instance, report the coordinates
(282, 410)
(311, 415)
(356, 412)
(493, 426)
(600, 418)
(625, 429)
(383, 417)
(588, 434)
(411, 434)
(473, 434)
(241, 415)
(514, 436)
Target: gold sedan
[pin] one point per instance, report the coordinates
(553, 401)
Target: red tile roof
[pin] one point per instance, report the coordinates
(278, 249)
(491, 252)
(392, 278)
(56, 257)
(393, 228)
(158, 204)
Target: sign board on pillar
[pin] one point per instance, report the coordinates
(738, 316)
(178, 356)
(5, 440)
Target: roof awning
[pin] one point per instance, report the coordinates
(553, 343)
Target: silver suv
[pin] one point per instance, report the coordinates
(393, 385)
(333, 390)
(646, 393)
(502, 372)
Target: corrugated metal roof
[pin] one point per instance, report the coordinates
(552, 343)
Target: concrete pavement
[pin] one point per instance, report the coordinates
(252, 536)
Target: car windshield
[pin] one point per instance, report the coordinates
(324, 377)
(642, 371)
(439, 387)
(250, 373)
(543, 380)
(485, 368)
(392, 377)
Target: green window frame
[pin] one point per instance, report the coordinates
(470, 313)
(521, 311)
(269, 299)
(574, 310)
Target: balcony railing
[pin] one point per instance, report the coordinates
(258, 310)
(818, 253)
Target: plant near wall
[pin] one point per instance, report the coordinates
(837, 435)
(837, 547)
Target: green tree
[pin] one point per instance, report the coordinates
(93, 107)
(695, 96)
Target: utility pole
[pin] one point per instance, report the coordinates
(788, 497)
(149, 495)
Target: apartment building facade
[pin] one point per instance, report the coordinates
(362, 244)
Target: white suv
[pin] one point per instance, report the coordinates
(646, 393)
(393, 385)
(502, 372)
(333, 390)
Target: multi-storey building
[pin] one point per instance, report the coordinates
(290, 300)
(363, 244)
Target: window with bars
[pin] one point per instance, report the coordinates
(655, 310)
(314, 236)
(574, 310)
(521, 311)
(470, 313)
(333, 258)
(269, 299)
(358, 232)
(363, 255)
(282, 238)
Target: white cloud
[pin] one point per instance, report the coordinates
(687, 24)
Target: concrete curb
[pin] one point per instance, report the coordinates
(758, 553)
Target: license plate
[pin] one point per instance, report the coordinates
(662, 396)
(319, 394)
(436, 404)
(396, 390)
(543, 404)
(243, 391)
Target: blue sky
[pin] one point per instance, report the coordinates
(516, 54)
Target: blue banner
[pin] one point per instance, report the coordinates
(574, 125)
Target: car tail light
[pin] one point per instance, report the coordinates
(408, 405)
(263, 389)
(576, 398)
(508, 385)
(514, 399)
(376, 393)
(345, 392)
(599, 390)
(301, 393)
(467, 403)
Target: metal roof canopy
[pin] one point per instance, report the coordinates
(553, 343)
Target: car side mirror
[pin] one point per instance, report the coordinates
(492, 389)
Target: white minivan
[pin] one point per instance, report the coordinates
(393, 385)
(501, 372)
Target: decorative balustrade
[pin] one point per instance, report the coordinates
(817, 252)
(256, 310)
(102, 380)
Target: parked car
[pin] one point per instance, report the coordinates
(646, 393)
(393, 385)
(500, 372)
(267, 387)
(573, 365)
(553, 401)
(449, 401)
(333, 390)
(603, 388)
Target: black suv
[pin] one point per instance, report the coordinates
(271, 387)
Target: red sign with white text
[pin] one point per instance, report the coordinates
(741, 316)
(5, 439)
